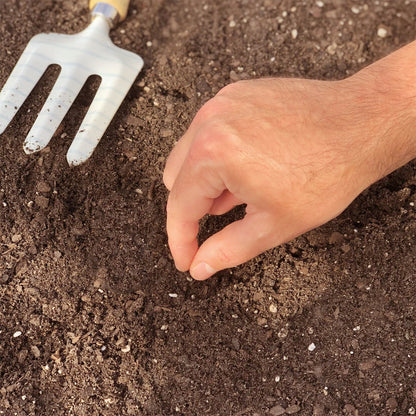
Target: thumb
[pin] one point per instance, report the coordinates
(235, 244)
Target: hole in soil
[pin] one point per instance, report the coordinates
(213, 223)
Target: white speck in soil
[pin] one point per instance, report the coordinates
(126, 348)
(283, 333)
(382, 32)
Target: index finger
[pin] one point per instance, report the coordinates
(192, 196)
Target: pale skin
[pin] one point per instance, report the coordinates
(296, 152)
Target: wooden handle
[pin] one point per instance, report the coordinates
(120, 5)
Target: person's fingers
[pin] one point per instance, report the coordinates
(182, 240)
(207, 115)
(236, 244)
(178, 154)
(224, 203)
(191, 197)
(176, 160)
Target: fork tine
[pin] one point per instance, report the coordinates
(63, 94)
(103, 108)
(25, 75)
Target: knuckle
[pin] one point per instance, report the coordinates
(215, 108)
(209, 144)
(209, 110)
(230, 89)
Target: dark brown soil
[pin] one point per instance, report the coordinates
(108, 326)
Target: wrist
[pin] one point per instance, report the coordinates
(385, 93)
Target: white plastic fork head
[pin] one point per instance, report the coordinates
(87, 53)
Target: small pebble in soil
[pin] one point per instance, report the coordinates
(17, 334)
(312, 347)
(35, 351)
(331, 49)
(292, 409)
(349, 409)
(273, 308)
(173, 295)
(126, 348)
(294, 34)
(277, 410)
(355, 9)
(381, 32)
(391, 405)
(283, 333)
(320, 3)
(261, 321)
(318, 409)
(412, 411)
(16, 238)
(43, 187)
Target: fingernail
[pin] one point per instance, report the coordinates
(202, 271)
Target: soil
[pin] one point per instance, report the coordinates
(95, 319)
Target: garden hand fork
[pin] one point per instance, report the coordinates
(89, 52)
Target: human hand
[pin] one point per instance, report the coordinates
(297, 152)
